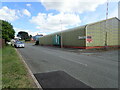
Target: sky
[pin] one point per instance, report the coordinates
(49, 16)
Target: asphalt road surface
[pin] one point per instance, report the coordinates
(95, 71)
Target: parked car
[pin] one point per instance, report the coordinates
(19, 44)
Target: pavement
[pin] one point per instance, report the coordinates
(94, 70)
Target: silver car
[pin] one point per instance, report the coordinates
(19, 44)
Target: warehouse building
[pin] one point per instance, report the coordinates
(94, 35)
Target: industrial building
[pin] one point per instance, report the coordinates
(94, 35)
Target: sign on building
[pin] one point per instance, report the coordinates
(89, 39)
(81, 37)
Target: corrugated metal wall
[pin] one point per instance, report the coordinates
(119, 32)
(96, 33)
(69, 37)
(46, 40)
(103, 31)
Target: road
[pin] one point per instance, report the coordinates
(95, 71)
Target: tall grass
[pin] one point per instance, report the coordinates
(14, 73)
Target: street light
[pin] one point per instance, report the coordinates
(106, 26)
(61, 34)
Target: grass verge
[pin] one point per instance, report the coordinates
(0, 68)
(14, 73)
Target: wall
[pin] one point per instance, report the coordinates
(98, 32)
(69, 37)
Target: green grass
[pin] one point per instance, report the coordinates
(0, 68)
(14, 73)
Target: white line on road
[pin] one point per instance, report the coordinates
(73, 61)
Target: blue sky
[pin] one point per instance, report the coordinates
(45, 17)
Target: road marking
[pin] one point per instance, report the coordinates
(74, 61)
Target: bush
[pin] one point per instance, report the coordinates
(27, 39)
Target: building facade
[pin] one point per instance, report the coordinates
(94, 35)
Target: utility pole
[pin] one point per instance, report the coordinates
(106, 34)
(61, 34)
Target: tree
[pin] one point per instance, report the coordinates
(23, 35)
(30, 36)
(7, 30)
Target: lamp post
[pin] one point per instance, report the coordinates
(61, 33)
(106, 34)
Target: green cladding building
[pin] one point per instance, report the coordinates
(94, 35)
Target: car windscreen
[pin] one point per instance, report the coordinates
(19, 42)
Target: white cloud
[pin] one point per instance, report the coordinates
(48, 23)
(26, 12)
(8, 14)
(12, 14)
(28, 5)
(119, 10)
(78, 6)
